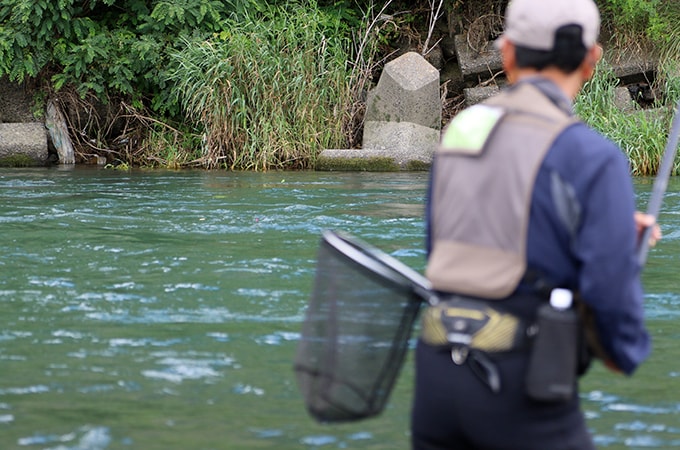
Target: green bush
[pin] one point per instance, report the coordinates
(629, 16)
(102, 47)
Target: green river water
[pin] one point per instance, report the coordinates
(161, 310)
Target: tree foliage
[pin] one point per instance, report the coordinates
(101, 46)
(122, 46)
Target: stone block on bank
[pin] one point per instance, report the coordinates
(478, 94)
(630, 66)
(475, 64)
(623, 100)
(408, 91)
(405, 146)
(23, 144)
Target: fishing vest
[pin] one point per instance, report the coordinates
(485, 171)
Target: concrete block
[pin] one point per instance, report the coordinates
(623, 100)
(15, 102)
(630, 66)
(477, 65)
(411, 139)
(398, 146)
(408, 91)
(23, 143)
(478, 94)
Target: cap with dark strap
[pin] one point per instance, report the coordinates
(533, 23)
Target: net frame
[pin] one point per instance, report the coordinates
(317, 380)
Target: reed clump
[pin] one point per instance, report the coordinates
(269, 92)
(641, 134)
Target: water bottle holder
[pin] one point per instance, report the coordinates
(553, 362)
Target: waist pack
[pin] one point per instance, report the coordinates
(473, 324)
(472, 328)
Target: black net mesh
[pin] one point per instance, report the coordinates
(355, 335)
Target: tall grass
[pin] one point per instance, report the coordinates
(269, 93)
(666, 35)
(641, 134)
(653, 27)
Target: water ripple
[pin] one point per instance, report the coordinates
(639, 409)
(319, 440)
(92, 438)
(39, 389)
(245, 389)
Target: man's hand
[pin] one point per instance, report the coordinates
(644, 221)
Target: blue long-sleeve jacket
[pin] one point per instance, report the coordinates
(597, 256)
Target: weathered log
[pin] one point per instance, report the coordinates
(58, 130)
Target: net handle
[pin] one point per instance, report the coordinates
(379, 260)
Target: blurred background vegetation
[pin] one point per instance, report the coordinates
(259, 84)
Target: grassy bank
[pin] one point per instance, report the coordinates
(268, 84)
(652, 27)
(267, 93)
(640, 133)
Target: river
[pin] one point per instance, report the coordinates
(161, 310)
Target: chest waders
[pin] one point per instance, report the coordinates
(483, 180)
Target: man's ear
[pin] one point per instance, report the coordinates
(591, 60)
(509, 59)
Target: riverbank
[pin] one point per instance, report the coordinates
(216, 100)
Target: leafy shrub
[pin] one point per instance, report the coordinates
(630, 16)
(100, 46)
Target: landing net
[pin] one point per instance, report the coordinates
(356, 330)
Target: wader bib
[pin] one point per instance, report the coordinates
(484, 176)
(481, 196)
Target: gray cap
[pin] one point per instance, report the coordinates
(533, 23)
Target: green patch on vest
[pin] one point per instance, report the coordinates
(470, 129)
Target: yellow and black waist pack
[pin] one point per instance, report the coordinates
(470, 323)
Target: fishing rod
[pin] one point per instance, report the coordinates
(660, 183)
